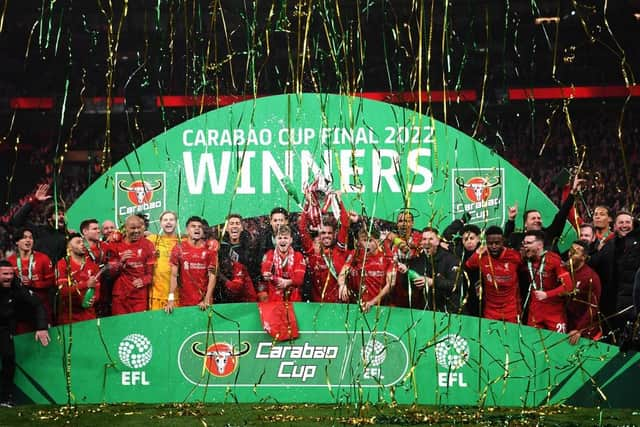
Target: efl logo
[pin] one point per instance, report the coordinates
(140, 192)
(452, 353)
(374, 354)
(135, 352)
(221, 359)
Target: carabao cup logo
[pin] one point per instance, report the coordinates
(221, 358)
(478, 189)
(135, 351)
(140, 192)
(452, 352)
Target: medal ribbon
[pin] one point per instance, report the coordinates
(329, 261)
(539, 270)
(29, 268)
(97, 260)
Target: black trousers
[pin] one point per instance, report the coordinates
(8, 357)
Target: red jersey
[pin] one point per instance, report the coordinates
(368, 275)
(290, 266)
(549, 275)
(36, 272)
(582, 310)
(72, 294)
(240, 287)
(413, 243)
(194, 266)
(400, 293)
(325, 268)
(212, 245)
(138, 266)
(325, 264)
(100, 252)
(501, 293)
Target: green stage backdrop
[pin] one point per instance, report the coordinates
(341, 356)
(254, 155)
(382, 157)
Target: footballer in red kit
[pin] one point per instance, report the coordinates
(582, 309)
(369, 274)
(237, 283)
(283, 269)
(136, 258)
(404, 245)
(77, 274)
(327, 255)
(35, 271)
(193, 265)
(499, 273)
(550, 282)
(100, 252)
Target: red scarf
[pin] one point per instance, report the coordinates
(280, 266)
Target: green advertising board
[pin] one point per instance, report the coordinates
(341, 356)
(255, 155)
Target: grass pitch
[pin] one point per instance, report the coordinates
(309, 415)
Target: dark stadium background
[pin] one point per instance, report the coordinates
(56, 54)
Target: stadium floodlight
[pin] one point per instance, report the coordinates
(547, 20)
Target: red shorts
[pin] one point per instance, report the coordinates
(400, 296)
(547, 319)
(510, 316)
(126, 305)
(77, 316)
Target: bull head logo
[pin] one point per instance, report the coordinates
(139, 192)
(220, 358)
(478, 189)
